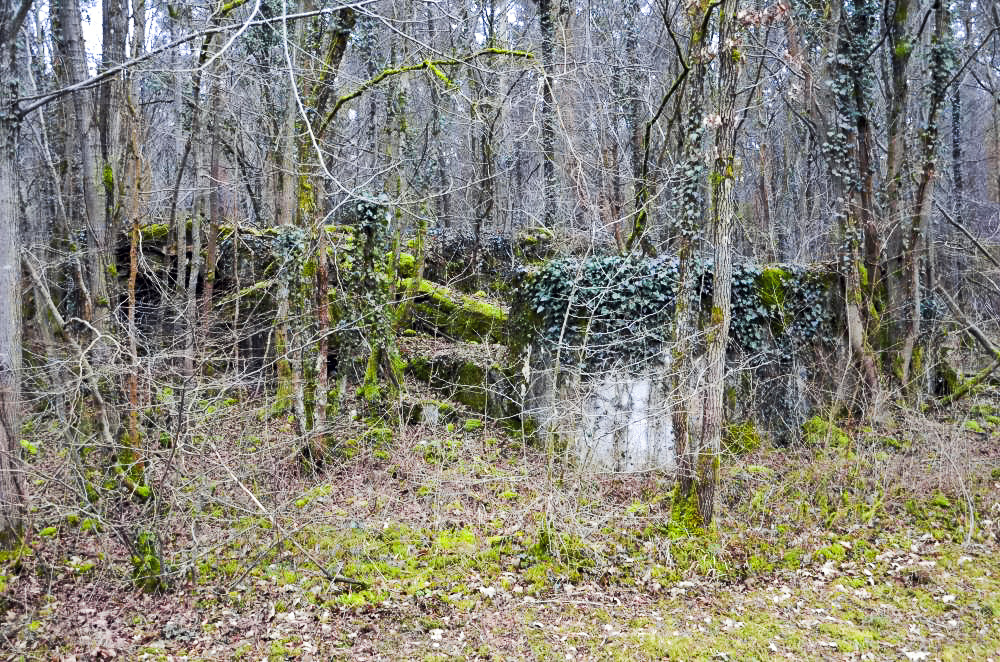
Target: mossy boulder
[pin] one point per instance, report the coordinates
(482, 388)
(534, 243)
(430, 411)
(442, 310)
(155, 233)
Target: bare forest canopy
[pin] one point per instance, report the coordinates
(296, 202)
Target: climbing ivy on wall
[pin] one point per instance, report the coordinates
(613, 310)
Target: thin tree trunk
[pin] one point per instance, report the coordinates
(133, 272)
(958, 263)
(110, 120)
(546, 24)
(215, 213)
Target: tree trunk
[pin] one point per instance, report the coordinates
(110, 121)
(215, 214)
(92, 173)
(549, 184)
(687, 442)
(12, 496)
(918, 241)
(724, 176)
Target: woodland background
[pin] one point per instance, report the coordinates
(218, 222)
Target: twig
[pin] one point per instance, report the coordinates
(332, 576)
(973, 330)
(970, 326)
(965, 231)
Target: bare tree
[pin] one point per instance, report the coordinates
(12, 15)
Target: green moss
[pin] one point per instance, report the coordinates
(940, 500)
(983, 410)
(456, 315)
(155, 232)
(370, 390)
(834, 552)
(533, 243)
(470, 380)
(772, 286)
(147, 568)
(473, 424)
(741, 438)
(685, 519)
(406, 267)
(318, 492)
(463, 541)
(973, 426)
(892, 442)
(849, 638)
(420, 368)
(108, 178)
(818, 431)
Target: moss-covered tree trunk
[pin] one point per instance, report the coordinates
(317, 91)
(384, 369)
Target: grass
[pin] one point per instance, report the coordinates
(468, 547)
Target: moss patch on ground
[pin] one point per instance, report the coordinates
(820, 431)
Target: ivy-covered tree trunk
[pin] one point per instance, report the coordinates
(687, 301)
(723, 180)
(918, 251)
(546, 24)
(384, 370)
(288, 189)
(686, 307)
(850, 171)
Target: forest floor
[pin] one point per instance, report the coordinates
(471, 544)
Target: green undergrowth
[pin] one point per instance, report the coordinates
(448, 513)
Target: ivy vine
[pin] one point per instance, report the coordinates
(613, 310)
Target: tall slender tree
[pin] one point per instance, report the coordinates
(12, 15)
